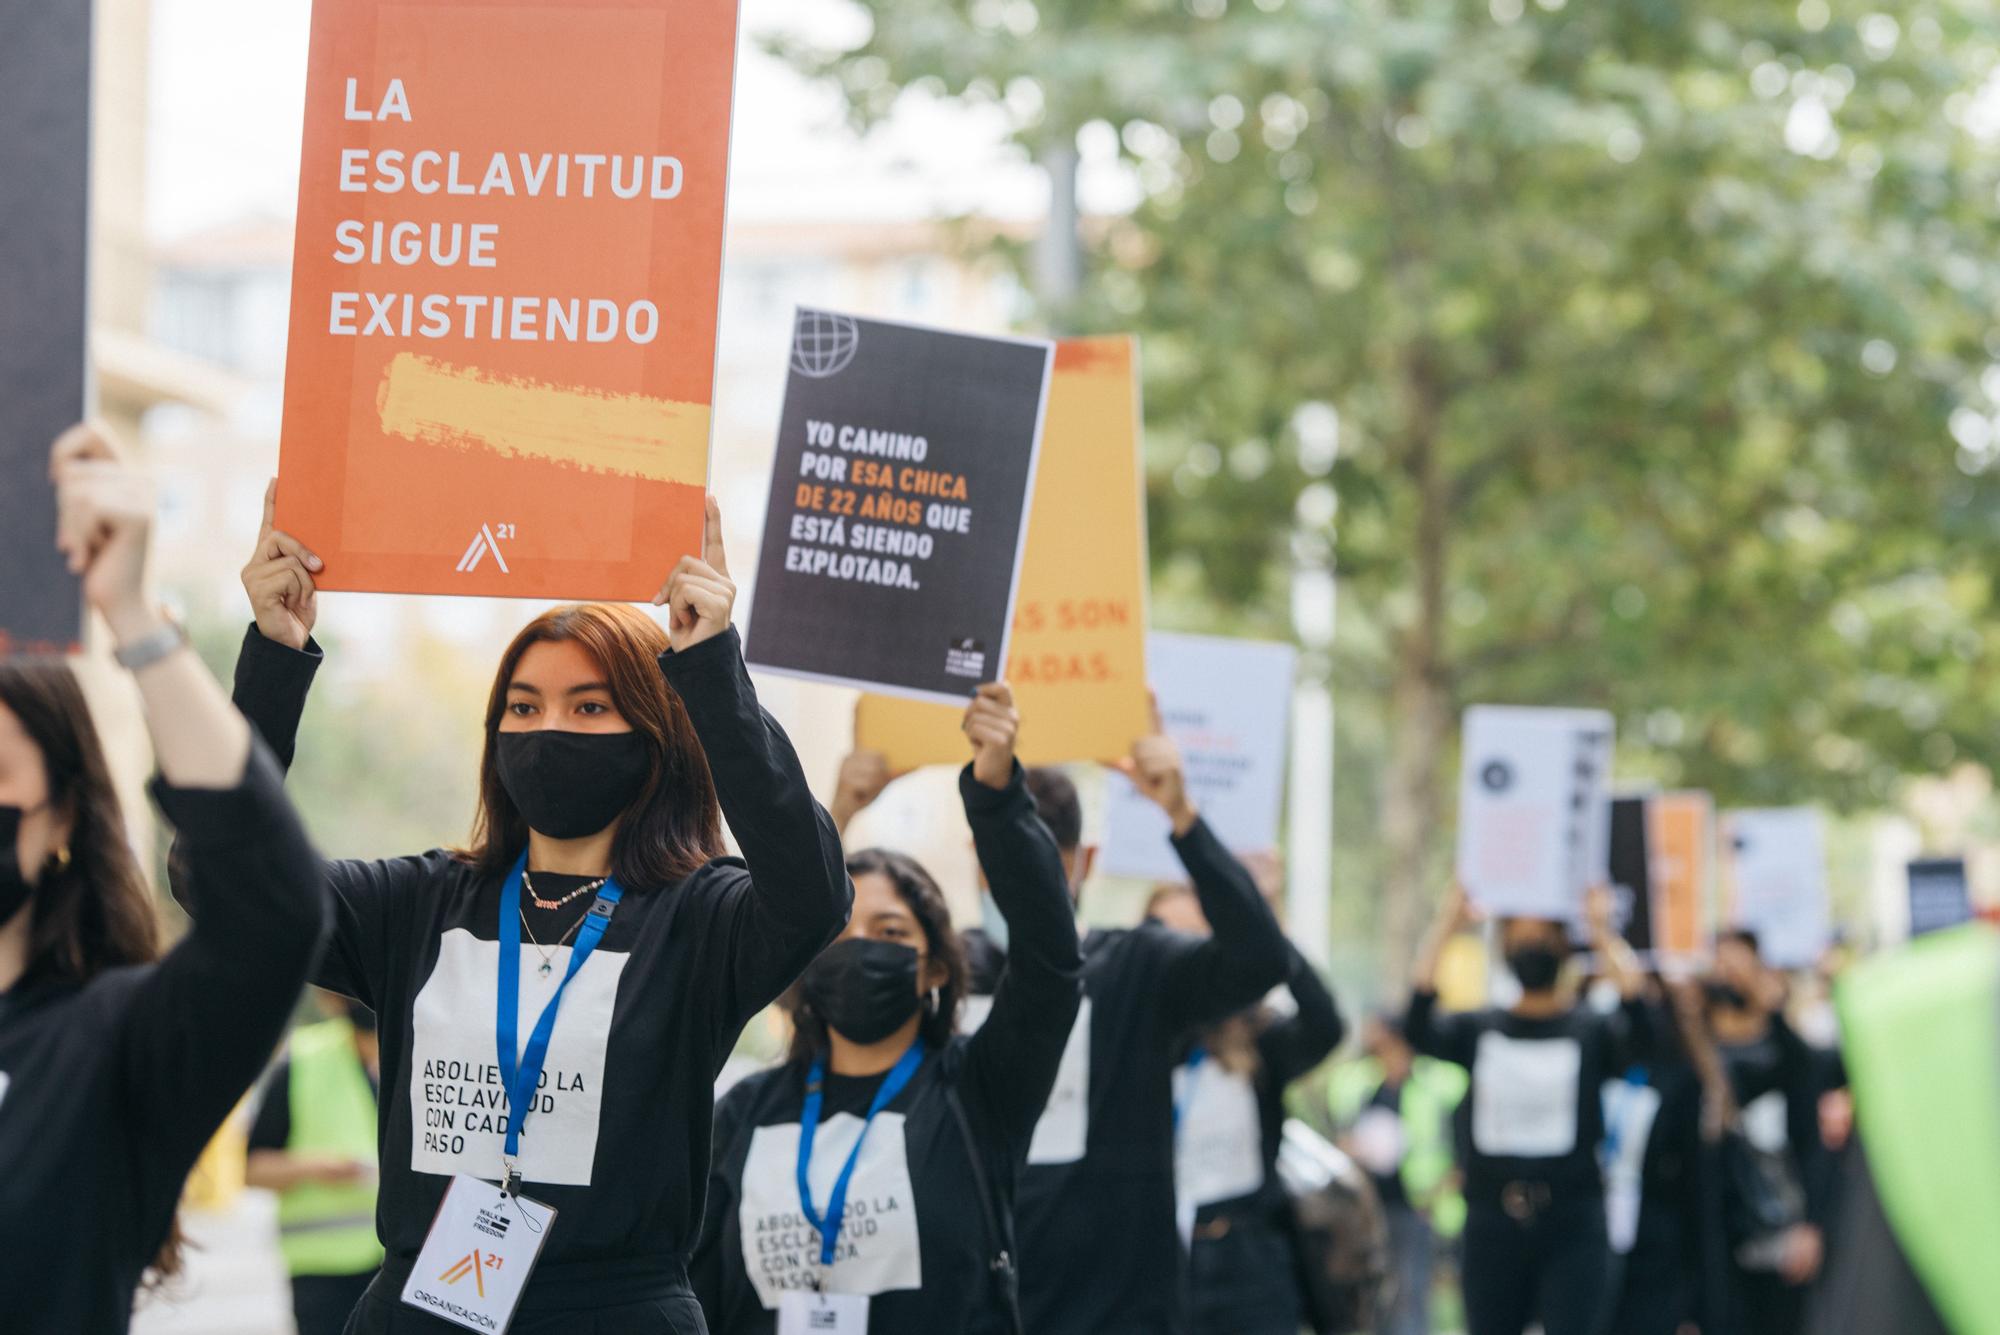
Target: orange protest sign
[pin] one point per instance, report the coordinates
(1681, 835)
(504, 293)
(1077, 656)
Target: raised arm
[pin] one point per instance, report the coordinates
(275, 668)
(1299, 1042)
(797, 896)
(1246, 956)
(203, 1021)
(1447, 1037)
(1011, 1062)
(863, 775)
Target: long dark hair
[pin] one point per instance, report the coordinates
(95, 913)
(674, 825)
(916, 889)
(92, 911)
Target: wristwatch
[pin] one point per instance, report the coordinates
(150, 649)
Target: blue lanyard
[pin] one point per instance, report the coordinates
(836, 1204)
(1614, 1134)
(1193, 1068)
(521, 1074)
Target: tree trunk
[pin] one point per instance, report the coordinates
(1420, 699)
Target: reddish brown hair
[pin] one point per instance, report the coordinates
(674, 825)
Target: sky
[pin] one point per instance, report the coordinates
(228, 94)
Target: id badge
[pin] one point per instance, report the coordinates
(805, 1312)
(478, 1255)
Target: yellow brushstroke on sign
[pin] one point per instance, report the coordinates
(423, 399)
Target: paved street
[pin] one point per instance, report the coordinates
(234, 1283)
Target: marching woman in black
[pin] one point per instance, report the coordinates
(556, 1000)
(1532, 1125)
(117, 1064)
(867, 1184)
(1229, 1122)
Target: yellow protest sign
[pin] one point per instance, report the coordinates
(1077, 658)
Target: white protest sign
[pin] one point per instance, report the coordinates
(1777, 862)
(1227, 703)
(1534, 809)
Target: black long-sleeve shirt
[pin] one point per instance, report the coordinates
(1241, 1265)
(917, 1242)
(618, 1143)
(1535, 1108)
(110, 1089)
(1099, 1249)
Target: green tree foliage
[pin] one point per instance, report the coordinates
(1659, 337)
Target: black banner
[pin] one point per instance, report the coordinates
(1939, 895)
(899, 504)
(44, 233)
(1631, 870)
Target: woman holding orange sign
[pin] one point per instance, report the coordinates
(556, 998)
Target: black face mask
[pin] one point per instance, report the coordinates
(864, 990)
(567, 785)
(1725, 996)
(14, 886)
(1536, 967)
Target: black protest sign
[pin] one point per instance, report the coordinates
(44, 233)
(1631, 871)
(899, 503)
(1939, 895)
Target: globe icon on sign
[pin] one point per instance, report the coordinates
(823, 344)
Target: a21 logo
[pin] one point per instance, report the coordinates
(486, 540)
(475, 1264)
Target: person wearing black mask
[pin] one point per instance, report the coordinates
(593, 929)
(118, 1063)
(1532, 1125)
(1229, 1121)
(867, 1184)
(1772, 1074)
(1100, 1253)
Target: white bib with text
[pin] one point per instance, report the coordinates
(1219, 1146)
(1524, 1096)
(458, 1107)
(878, 1248)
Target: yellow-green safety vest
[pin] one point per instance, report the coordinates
(1429, 1097)
(326, 1228)
(1920, 1029)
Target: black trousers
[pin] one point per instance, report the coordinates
(1244, 1280)
(1552, 1266)
(1652, 1296)
(321, 1303)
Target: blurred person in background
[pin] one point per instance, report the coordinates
(1776, 1078)
(118, 1063)
(929, 1242)
(1100, 1251)
(1532, 1125)
(614, 747)
(1229, 1121)
(1653, 1157)
(313, 1143)
(1393, 1110)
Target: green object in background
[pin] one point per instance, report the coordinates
(1921, 1029)
(1429, 1097)
(327, 1228)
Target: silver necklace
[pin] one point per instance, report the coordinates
(548, 963)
